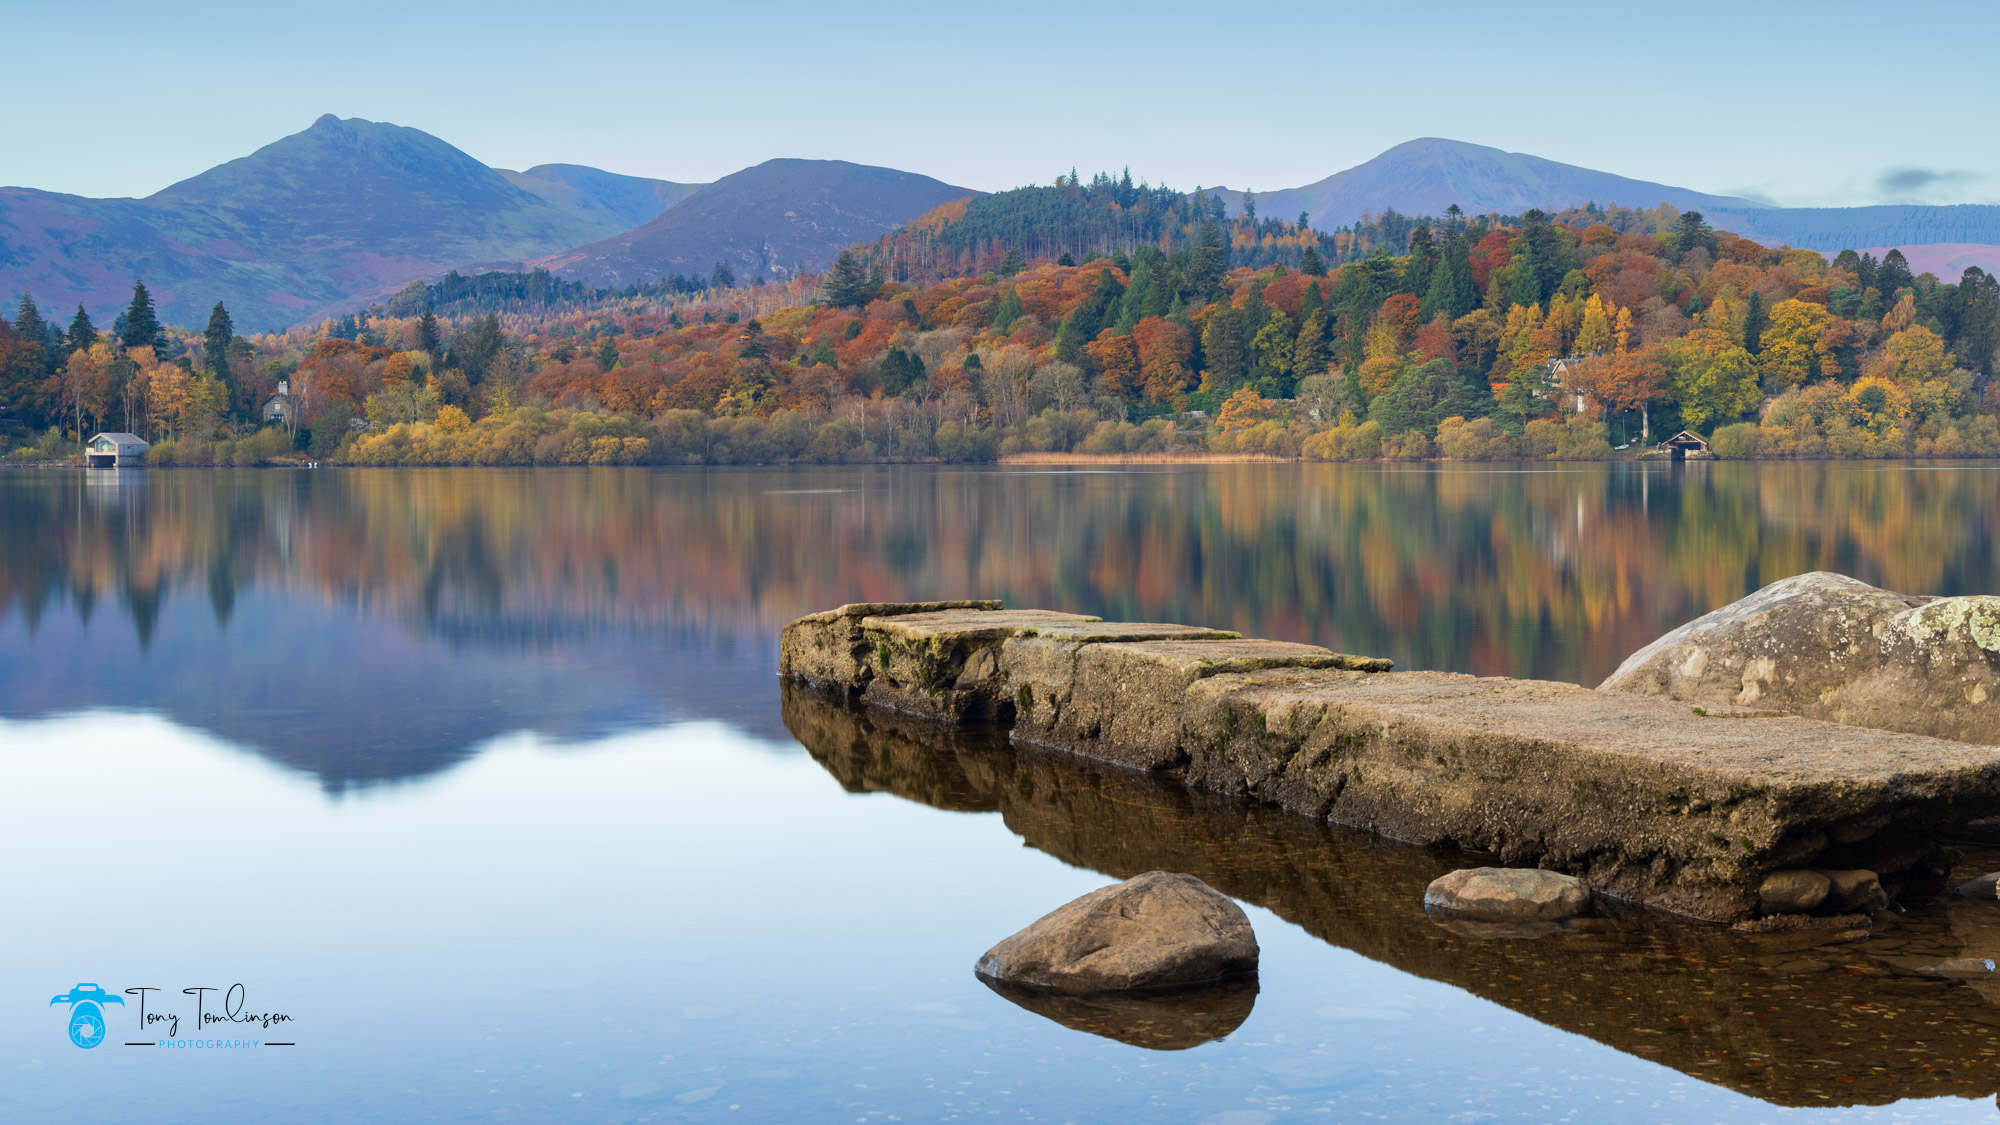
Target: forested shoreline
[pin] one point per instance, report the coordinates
(1096, 319)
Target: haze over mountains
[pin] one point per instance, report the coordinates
(768, 220)
(1427, 175)
(348, 211)
(604, 199)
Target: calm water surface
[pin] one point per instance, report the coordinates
(485, 778)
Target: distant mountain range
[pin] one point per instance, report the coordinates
(604, 199)
(768, 220)
(345, 207)
(348, 211)
(1425, 176)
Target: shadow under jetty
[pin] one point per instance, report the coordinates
(1164, 1020)
(1908, 1009)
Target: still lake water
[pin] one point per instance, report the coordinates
(485, 778)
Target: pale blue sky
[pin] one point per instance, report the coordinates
(1801, 103)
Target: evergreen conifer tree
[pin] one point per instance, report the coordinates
(1070, 339)
(1012, 262)
(1008, 311)
(1224, 346)
(28, 323)
(428, 337)
(82, 333)
(1755, 320)
(846, 284)
(1310, 263)
(607, 353)
(215, 342)
(142, 325)
(24, 368)
(1423, 256)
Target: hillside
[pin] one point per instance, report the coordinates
(765, 221)
(1427, 175)
(1941, 240)
(603, 199)
(341, 209)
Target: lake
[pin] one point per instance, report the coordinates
(485, 781)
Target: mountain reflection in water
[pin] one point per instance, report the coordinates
(1794, 1019)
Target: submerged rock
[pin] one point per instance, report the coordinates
(1793, 891)
(1171, 1019)
(1854, 890)
(1826, 646)
(1508, 894)
(1151, 931)
(1986, 888)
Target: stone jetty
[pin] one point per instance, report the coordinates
(1685, 808)
(1824, 1017)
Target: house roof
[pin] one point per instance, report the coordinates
(122, 437)
(1686, 436)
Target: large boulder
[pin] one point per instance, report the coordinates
(1152, 931)
(1830, 647)
(1508, 894)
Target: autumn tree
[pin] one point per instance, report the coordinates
(1165, 358)
(1913, 355)
(1788, 348)
(1714, 380)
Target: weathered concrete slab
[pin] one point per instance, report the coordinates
(1682, 807)
(825, 649)
(1642, 798)
(1125, 701)
(945, 664)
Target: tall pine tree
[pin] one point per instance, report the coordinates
(82, 333)
(1423, 257)
(34, 330)
(1755, 320)
(846, 284)
(428, 336)
(142, 325)
(215, 342)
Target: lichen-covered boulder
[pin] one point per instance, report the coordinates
(1825, 646)
(1150, 931)
(1508, 894)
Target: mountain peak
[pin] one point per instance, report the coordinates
(765, 220)
(1426, 175)
(325, 120)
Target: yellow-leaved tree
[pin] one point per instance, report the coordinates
(1790, 356)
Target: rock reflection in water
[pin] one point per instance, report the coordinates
(1792, 1018)
(1167, 1020)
